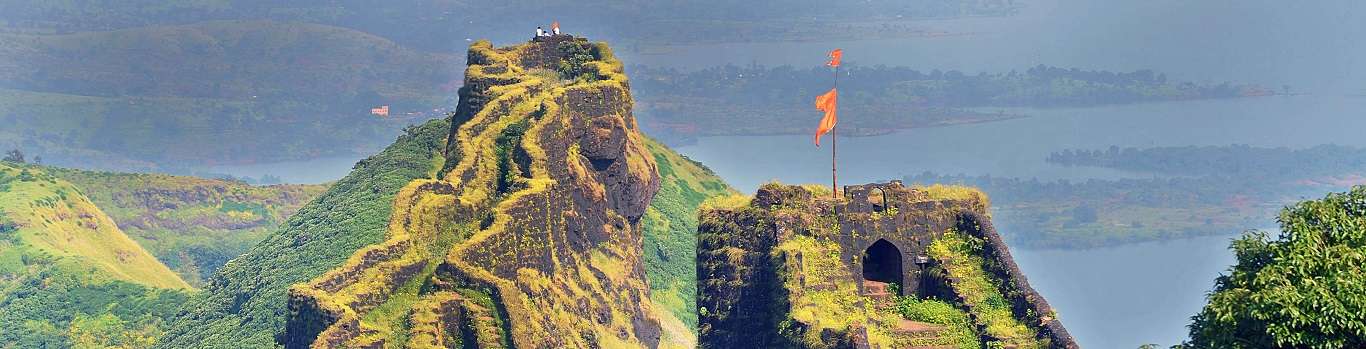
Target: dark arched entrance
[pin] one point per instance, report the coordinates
(882, 263)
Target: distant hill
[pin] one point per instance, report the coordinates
(68, 275)
(214, 92)
(193, 225)
(49, 217)
(431, 24)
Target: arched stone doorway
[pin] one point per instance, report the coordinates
(882, 263)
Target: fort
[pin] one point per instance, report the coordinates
(795, 266)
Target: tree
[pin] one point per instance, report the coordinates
(14, 156)
(1304, 289)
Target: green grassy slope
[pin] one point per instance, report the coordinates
(68, 275)
(193, 225)
(49, 216)
(670, 229)
(244, 304)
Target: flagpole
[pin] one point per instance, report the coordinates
(834, 172)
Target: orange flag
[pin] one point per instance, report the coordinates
(835, 57)
(826, 103)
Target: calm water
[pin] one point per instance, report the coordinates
(1123, 297)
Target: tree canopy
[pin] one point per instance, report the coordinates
(1304, 289)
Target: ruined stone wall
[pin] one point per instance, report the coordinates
(749, 287)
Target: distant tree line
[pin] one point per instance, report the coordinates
(1040, 86)
(1233, 160)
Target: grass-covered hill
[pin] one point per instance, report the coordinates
(68, 275)
(670, 227)
(193, 225)
(252, 91)
(49, 217)
(102, 259)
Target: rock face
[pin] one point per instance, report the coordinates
(793, 268)
(527, 237)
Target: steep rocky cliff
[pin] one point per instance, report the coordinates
(880, 266)
(529, 238)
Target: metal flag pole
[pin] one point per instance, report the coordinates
(834, 172)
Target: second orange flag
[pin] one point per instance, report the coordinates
(827, 103)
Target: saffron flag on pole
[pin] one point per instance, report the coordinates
(835, 57)
(826, 103)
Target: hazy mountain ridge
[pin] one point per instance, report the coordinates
(295, 90)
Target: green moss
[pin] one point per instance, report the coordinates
(959, 329)
(960, 256)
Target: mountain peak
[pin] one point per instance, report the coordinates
(530, 236)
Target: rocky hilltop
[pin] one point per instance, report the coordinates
(529, 237)
(881, 266)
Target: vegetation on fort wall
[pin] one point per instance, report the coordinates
(1303, 289)
(961, 257)
(959, 330)
(822, 297)
(244, 304)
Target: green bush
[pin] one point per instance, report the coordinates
(1304, 289)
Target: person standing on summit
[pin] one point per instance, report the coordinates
(555, 28)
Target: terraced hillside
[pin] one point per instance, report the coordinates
(880, 266)
(539, 212)
(523, 215)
